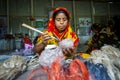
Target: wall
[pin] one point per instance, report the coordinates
(19, 11)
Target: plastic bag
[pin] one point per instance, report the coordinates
(66, 43)
(48, 56)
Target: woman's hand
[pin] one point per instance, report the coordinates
(45, 38)
(39, 47)
(69, 51)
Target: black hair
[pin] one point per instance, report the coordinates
(96, 27)
(60, 11)
(26, 34)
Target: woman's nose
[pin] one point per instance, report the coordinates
(61, 21)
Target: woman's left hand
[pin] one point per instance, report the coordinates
(69, 51)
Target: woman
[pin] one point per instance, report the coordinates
(59, 27)
(99, 38)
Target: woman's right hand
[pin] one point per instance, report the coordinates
(39, 47)
(45, 38)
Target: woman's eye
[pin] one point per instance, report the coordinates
(57, 19)
(64, 19)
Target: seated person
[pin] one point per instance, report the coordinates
(98, 39)
(59, 27)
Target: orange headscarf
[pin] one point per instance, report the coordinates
(68, 33)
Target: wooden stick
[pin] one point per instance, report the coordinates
(27, 26)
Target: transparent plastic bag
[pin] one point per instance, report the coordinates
(48, 56)
(66, 43)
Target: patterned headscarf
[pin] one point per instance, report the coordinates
(51, 26)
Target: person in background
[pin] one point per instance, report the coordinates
(109, 30)
(26, 40)
(98, 39)
(59, 27)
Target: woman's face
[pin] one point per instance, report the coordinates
(61, 22)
